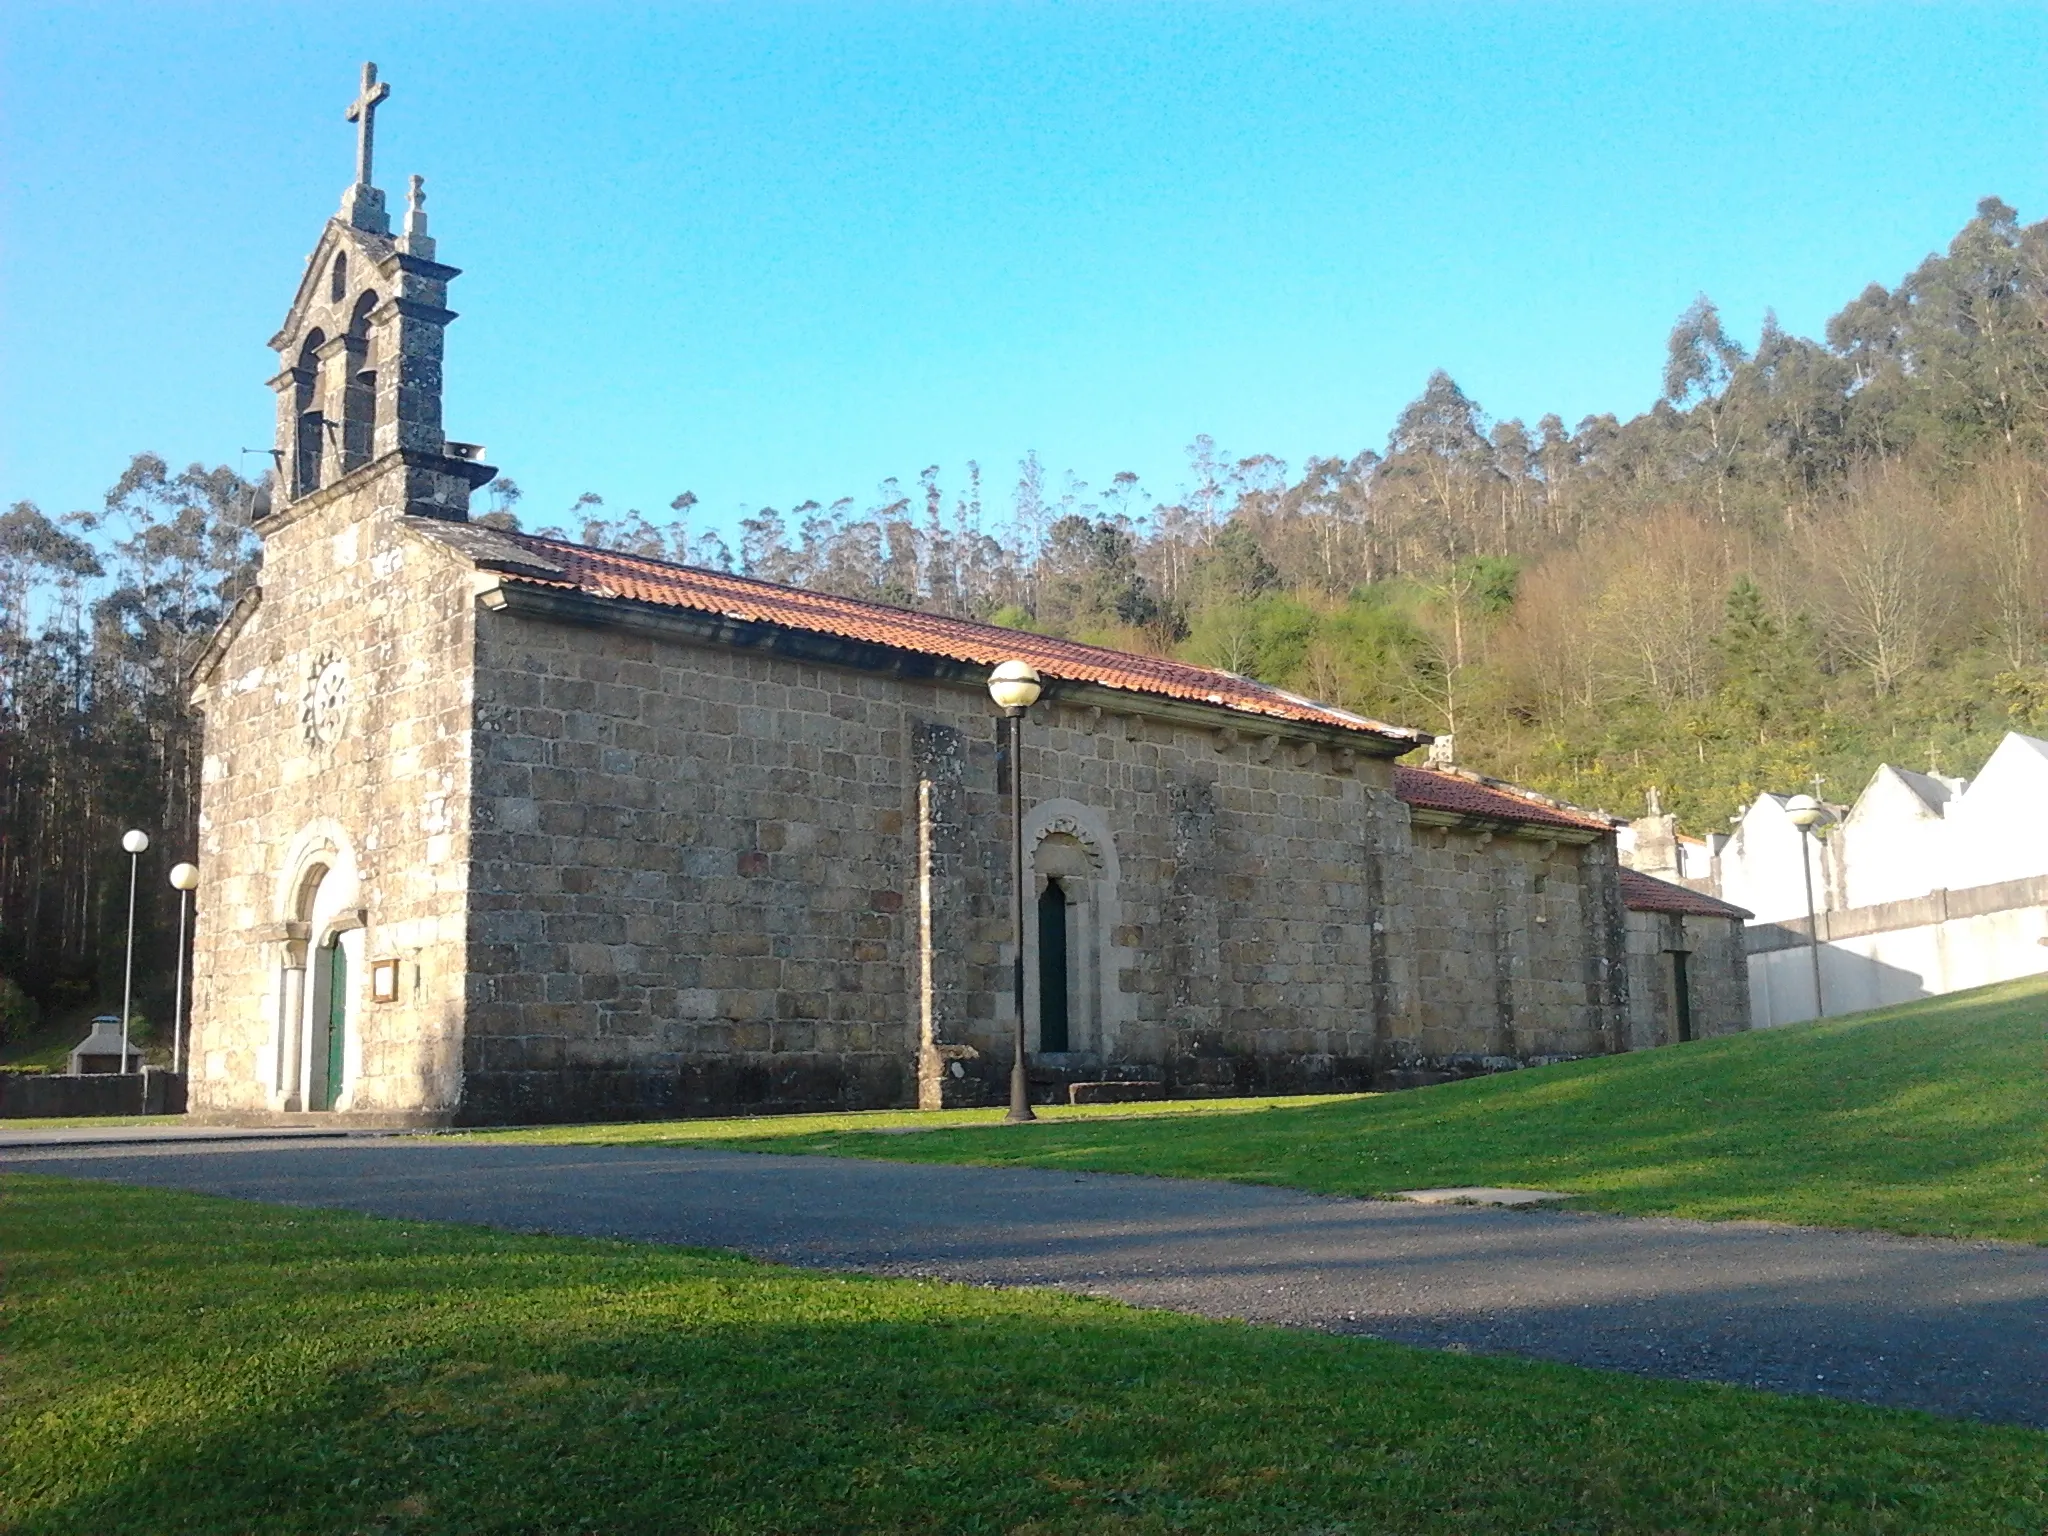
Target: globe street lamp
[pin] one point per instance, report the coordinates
(1015, 687)
(136, 843)
(1806, 813)
(184, 877)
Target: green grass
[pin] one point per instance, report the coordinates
(49, 1045)
(180, 1363)
(1931, 1118)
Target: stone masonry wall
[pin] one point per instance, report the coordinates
(1717, 977)
(1502, 939)
(345, 581)
(711, 878)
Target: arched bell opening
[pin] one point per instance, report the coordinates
(359, 390)
(308, 455)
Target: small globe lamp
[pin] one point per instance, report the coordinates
(184, 880)
(1015, 687)
(134, 843)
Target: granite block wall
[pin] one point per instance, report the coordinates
(338, 737)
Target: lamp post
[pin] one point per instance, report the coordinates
(1806, 813)
(1015, 686)
(184, 877)
(136, 843)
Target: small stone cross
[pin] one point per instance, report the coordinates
(363, 113)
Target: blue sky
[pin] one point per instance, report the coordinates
(775, 252)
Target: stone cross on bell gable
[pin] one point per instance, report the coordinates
(362, 205)
(363, 113)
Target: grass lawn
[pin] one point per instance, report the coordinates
(87, 1122)
(185, 1363)
(1928, 1118)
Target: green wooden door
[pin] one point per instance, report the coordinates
(337, 1022)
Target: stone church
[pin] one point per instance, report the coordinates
(498, 828)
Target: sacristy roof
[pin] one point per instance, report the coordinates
(1646, 893)
(1471, 794)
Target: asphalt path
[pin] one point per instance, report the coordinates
(1956, 1328)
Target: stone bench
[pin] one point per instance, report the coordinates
(1114, 1093)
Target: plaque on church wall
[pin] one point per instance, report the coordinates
(384, 981)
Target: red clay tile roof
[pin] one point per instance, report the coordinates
(1468, 795)
(607, 573)
(1646, 893)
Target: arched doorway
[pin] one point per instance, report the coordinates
(319, 1053)
(1075, 957)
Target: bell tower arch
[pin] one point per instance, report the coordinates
(361, 351)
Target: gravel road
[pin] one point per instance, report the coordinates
(1951, 1327)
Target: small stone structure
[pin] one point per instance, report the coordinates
(1688, 969)
(102, 1048)
(499, 828)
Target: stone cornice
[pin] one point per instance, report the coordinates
(418, 266)
(408, 458)
(412, 309)
(1468, 821)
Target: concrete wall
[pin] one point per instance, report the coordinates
(1875, 956)
(53, 1096)
(383, 806)
(1893, 844)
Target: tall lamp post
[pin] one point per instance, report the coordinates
(1806, 813)
(1015, 686)
(136, 843)
(184, 877)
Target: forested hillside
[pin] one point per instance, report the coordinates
(1810, 555)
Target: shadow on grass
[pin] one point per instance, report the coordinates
(1927, 1119)
(179, 1363)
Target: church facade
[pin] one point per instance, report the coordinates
(497, 828)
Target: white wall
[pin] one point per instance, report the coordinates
(1760, 864)
(1874, 970)
(1907, 835)
(1895, 845)
(1996, 829)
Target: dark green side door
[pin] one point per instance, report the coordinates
(337, 1023)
